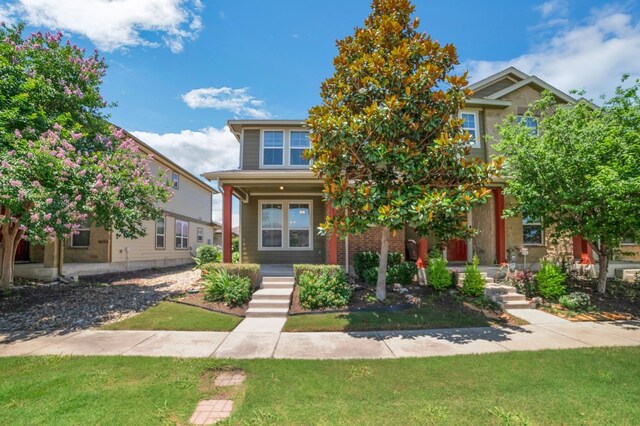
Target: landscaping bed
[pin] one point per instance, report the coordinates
(197, 299)
(620, 302)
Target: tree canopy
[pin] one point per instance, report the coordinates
(580, 171)
(386, 139)
(62, 163)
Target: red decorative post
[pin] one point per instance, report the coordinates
(333, 241)
(498, 198)
(227, 194)
(423, 247)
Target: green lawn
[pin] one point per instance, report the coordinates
(176, 316)
(585, 386)
(428, 315)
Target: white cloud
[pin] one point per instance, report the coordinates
(238, 101)
(199, 151)
(114, 24)
(553, 7)
(591, 55)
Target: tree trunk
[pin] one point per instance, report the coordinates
(603, 260)
(6, 267)
(381, 285)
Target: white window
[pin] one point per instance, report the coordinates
(200, 235)
(160, 233)
(532, 232)
(299, 224)
(285, 225)
(629, 242)
(273, 148)
(175, 180)
(182, 234)
(530, 122)
(470, 124)
(298, 143)
(82, 237)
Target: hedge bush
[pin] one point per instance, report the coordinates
(221, 286)
(365, 260)
(576, 301)
(329, 289)
(473, 283)
(315, 269)
(207, 253)
(438, 276)
(551, 281)
(370, 276)
(402, 274)
(248, 270)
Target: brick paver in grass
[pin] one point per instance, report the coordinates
(229, 378)
(211, 411)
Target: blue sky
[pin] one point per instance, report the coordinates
(180, 68)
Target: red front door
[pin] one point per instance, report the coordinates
(22, 254)
(457, 251)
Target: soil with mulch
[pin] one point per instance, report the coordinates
(197, 299)
(620, 302)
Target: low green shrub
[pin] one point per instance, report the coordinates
(301, 268)
(329, 289)
(207, 253)
(402, 274)
(235, 244)
(551, 281)
(524, 282)
(576, 301)
(248, 270)
(438, 276)
(221, 286)
(364, 260)
(370, 276)
(235, 257)
(473, 283)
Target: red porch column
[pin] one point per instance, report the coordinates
(333, 241)
(498, 198)
(582, 250)
(423, 247)
(227, 194)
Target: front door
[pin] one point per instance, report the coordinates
(22, 253)
(457, 251)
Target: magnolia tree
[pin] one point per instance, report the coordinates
(386, 140)
(580, 172)
(62, 163)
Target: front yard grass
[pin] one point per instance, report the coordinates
(583, 386)
(177, 317)
(430, 314)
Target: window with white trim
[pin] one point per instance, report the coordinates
(299, 224)
(532, 231)
(470, 124)
(271, 225)
(273, 148)
(298, 144)
(200, 235)
(175, 180)
(161, 232)
(82, 236)
(182, 234)
(629, 242)
(285, 225)
(530, 122)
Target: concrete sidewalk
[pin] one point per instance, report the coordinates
(383, 344)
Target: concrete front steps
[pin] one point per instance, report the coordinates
(505, 295)
(273, 298)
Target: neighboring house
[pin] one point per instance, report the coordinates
(172, 240)
(281, 204)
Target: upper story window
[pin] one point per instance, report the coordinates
(531, 123)
(273, 148)
(470, 124)
(298, 143)
(175, 180)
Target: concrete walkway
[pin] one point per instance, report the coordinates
(251, 341)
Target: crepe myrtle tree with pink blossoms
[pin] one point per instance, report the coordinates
(62, 163)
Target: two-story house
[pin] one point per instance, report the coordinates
(281, 204)
(169, 241)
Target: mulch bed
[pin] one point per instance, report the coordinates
(197, 299)
(620, 302)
